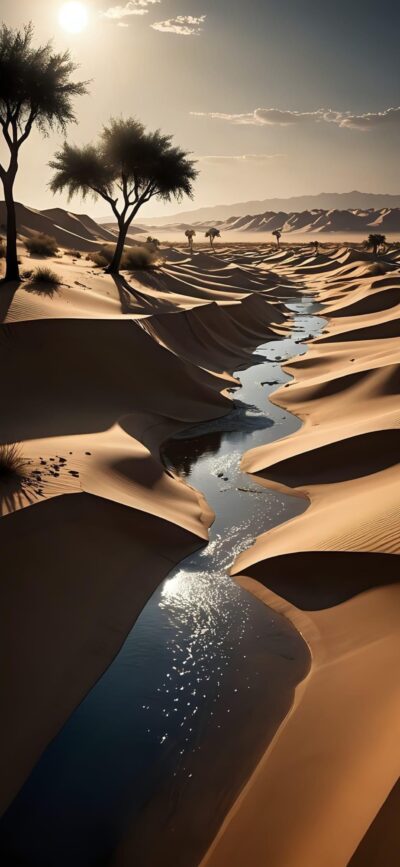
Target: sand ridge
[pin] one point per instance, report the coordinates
(100, 371)
(334, 571)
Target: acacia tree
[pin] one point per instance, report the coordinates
(278, 236)
(35, 89)
(126, 167)
(190, 234)
(212, 234)
(374, 242)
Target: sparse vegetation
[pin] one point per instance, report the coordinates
(98, 258)
(45, 276)
(190, 234)
(212, 234)
(127, 168)
(35, 90)
(102, 257)
(376, 243)
(12, 462)
(41, 244)
(278, 234)
(137, 257)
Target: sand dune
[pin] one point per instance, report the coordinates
(99, 373)
(74, 231)
(334, 571)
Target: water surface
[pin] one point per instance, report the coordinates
(151, 760)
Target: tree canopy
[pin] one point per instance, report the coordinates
(35, 86)
(126, 167)
(35, 89)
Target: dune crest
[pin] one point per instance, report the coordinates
(334, 572)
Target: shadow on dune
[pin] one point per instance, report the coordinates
(380, 331)
(313, 580)
(7, 292)
(341, 461)
(14, 494)
(84, 375)
(381, 843)
(128, 294)
(68, 597)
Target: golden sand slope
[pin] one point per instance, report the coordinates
(96, 374)
(334, 571)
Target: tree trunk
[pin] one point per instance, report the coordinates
(12, 269)
(115, 264)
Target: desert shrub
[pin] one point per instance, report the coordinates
(76, 254)
(102, 257)
(98, 259)
(138, 258)
(46, 276)
(41, 245)
(12, 462)
(133, 258)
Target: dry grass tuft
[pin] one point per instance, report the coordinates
(133, 258)
(41, 244)
(12, 462)
(46, 276)
(139, 258)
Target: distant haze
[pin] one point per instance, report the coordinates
(322, 201)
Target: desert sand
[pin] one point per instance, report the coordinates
(99, 373)
(333, 570)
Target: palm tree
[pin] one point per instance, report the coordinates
(190, 234)
(374, 242)
(127, 167)
(212, 234)
(35, 90)
(278, 236)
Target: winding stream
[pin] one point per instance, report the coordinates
(153, 757)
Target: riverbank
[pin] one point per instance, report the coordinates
(99, 374)
(333, 571)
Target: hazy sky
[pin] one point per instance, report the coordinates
(275, 97)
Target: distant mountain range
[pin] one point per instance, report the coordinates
(81, 232)
(385, 220)
(297, 204)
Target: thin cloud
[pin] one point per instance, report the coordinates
(133, 7)
(265, 117)
(182, 25)
(371, 120)
(239, 158)
(278, 117)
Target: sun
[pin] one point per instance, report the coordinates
(73, 17)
